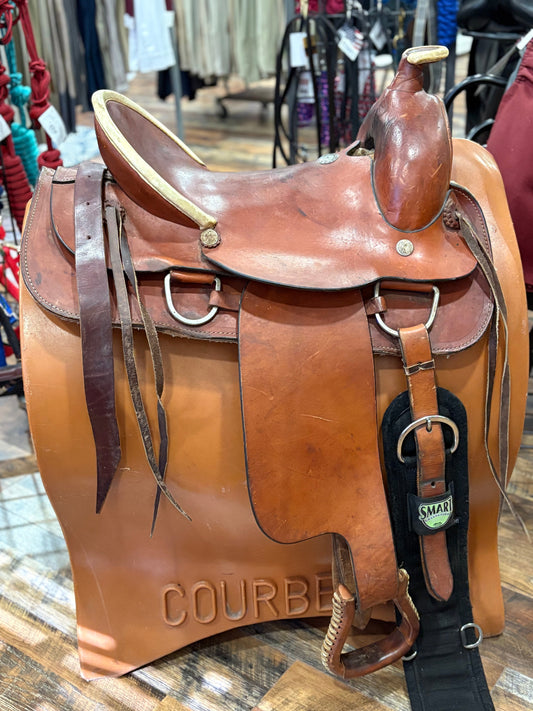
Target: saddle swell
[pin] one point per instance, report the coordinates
(340, 289)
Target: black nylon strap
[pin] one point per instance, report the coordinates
(444, 675)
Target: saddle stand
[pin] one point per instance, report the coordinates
(271, 364)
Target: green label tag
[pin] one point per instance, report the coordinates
(437, 514)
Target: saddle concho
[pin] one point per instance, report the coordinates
(239, 362)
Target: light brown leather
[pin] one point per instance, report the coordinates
(140, 597)
(376, 655)
(465, 304)
(328, 249)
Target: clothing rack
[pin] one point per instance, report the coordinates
(391, 23)
(336, 111)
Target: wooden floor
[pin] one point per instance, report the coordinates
(271, 667)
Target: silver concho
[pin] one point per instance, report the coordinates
(405, 247)
(328, 158)
(209, 238)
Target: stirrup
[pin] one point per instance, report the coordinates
(373, 656)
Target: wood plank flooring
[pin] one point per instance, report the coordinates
(270, 667)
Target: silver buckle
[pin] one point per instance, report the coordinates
(471, 625)
(184, 319)
(429, 322)
(428, 421)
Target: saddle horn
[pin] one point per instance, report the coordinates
(409, 131)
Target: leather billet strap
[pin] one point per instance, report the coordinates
(311, 442)
(96, 324)
(486, 265)
(444, 670)
(419, 368)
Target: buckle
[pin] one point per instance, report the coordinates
(477, 628)
(184, 319)
(429, 322)
(428, 421)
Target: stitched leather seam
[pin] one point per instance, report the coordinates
(32, 287)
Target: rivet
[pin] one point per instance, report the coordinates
(328, 158)
(210, 238)
(405, 247)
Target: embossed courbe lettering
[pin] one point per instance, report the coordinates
(205, 601)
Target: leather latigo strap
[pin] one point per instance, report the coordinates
(93, 244)
(313, 467)
(419, 368)
(96, 324)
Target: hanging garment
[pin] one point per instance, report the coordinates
(93, 56)
(77, 59)
(270, 24)
(150, 46)
(510, 144)
(110, 46)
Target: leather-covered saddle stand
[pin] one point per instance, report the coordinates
(444, 670)
(297, 294)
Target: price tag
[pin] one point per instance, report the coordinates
(350, 41)
(378, 36)
(298, 56)
(53, 124)
(525, 40)
(305, 92)
(5, 131)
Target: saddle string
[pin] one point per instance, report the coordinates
(486, 265)
(114, 229)
(156, 358)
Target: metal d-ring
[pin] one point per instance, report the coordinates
(471, 625)
(429, 322)
(183, 319)
(428, 421)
